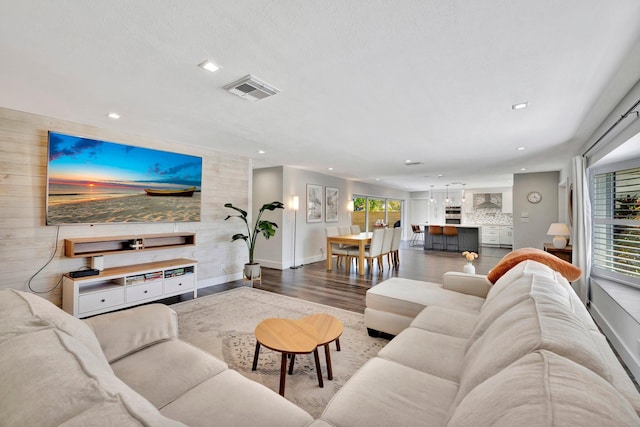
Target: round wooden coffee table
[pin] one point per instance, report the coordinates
(329, 330)
(290, 337)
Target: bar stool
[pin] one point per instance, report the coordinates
(449, 232)
(417, 235)
(434, 231)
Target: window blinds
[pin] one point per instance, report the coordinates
(616, 225)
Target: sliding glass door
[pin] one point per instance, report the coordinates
(372, 212)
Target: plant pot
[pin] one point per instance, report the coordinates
(252, 271)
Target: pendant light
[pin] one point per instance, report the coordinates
(447, 199)
(463, 198)
(431, 194)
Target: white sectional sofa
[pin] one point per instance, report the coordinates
(523, 352)
(527, 354)
(125, 368)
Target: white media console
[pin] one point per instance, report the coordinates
(120, 287)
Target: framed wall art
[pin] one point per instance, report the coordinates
(332, 196)
(314, 203)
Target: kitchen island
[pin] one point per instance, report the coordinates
(469, 237)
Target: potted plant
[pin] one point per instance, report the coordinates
(264, 227)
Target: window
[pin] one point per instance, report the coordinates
(369, 211)
(616, 224)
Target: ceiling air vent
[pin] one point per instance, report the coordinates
(251, 88)
(413, 163)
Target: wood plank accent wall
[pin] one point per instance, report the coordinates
(26, 243)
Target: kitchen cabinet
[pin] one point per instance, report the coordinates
(506, 236)
(455, 197)
(490, 235)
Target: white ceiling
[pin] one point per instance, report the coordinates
(365, 84)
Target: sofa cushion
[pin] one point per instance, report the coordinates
(518, 291)
(409, 297)
(386, 393)
(165, 371)
(544, 389)
(23, 312)
(534, 324)
(430, 352)
(513, 258)
(229, 399)
(123, 332)
(577, 306)
(445, 321)
(619, 378)
(522, 269)
(49, 377)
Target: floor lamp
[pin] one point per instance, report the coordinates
(295, 205)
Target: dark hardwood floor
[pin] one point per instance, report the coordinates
(337, 288)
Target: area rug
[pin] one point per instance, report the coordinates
(223, 325)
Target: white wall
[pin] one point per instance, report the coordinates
(310, 241)
(27, 243)
(267, 188)
(531, 221)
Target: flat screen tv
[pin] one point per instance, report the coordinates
(92, 182)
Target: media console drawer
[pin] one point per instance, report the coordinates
(179, 283)
(144, 291)
(100, 300)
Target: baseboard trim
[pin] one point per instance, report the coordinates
(213, 281)
(625, 354)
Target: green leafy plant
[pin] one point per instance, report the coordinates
(264, 227)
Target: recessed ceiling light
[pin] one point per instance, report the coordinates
(440, 175)
(407, 161)
(519, 106)
(209, 66)
(521, 148)
(260, 151)
(377, 179)
(523, 169)
(113, 116)
(330, 169)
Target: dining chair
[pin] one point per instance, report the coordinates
(395, 246)
(386, 247)
(355, 229)
(344, 230)
(336, 249)
(374, 251)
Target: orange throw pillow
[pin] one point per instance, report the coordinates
(513, 258)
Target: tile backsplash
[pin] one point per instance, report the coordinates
(488, 216)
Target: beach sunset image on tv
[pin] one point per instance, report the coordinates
(92, 181)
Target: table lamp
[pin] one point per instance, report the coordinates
(559, 230)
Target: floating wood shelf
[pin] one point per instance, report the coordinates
(95, 246)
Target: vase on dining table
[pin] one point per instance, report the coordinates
(469, 268)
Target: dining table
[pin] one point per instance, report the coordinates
(359, 240)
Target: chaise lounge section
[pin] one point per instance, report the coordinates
(528, 353)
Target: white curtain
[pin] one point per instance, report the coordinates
(581, 226)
